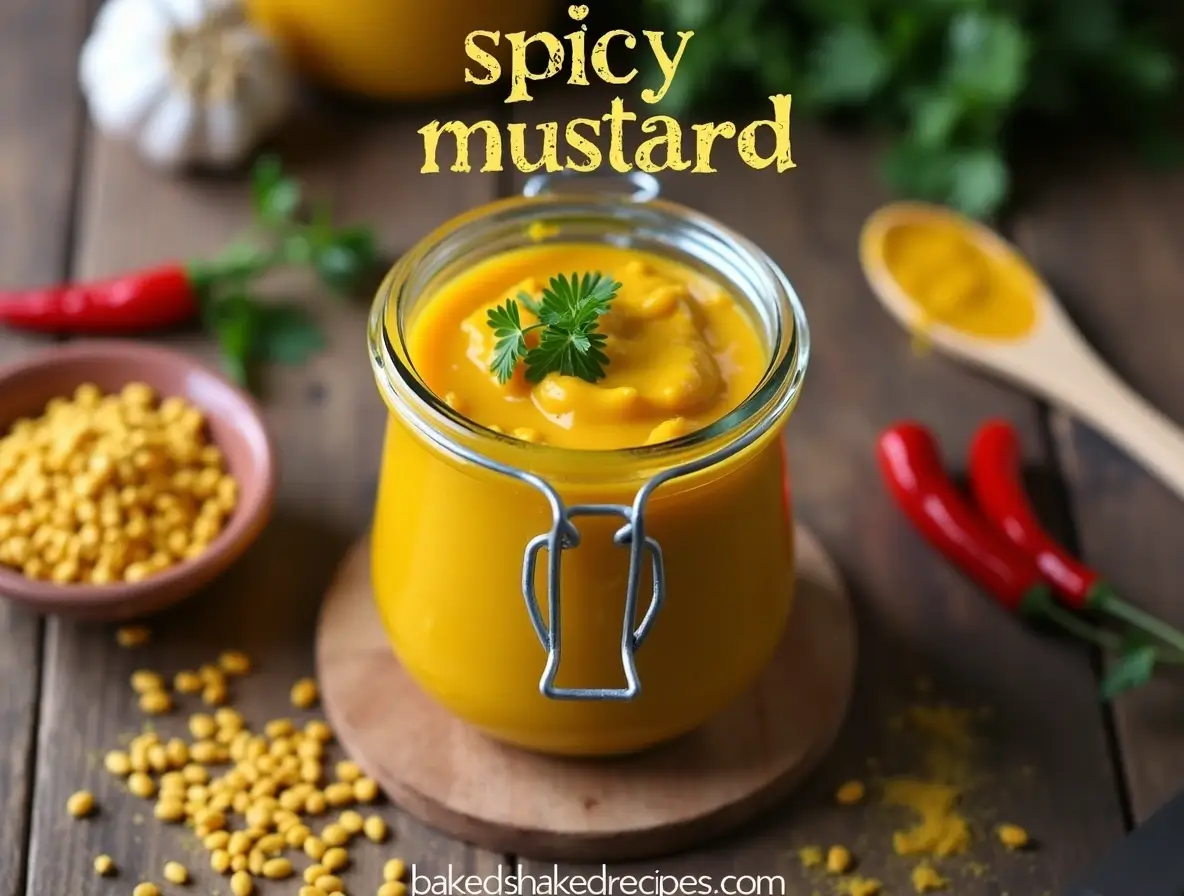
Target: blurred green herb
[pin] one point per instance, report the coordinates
(951, 79)
(250, 331)
(1130, 671)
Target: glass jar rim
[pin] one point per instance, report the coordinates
(406, 391)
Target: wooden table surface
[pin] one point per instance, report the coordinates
(1076, 774)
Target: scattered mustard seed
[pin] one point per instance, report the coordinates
(220, 861)
(169, 810)
(118, 763)
(104, 866)
(314, 848)
(926, 879)
(375, 829)
(277, 869)
(155, 703)
(318, 731)
(335, 859)
(850, 793)
(838, 860)
(81, 804)
(214, 694)
(1012, 836)
(339, 793)
(234, 662)
(328, 883)
(352, 821)
(141, 785)
(365, 790)
(133, 635)
(335, 835)
(862, 886)
(242, 884)
(146, 889)
(175, 873)
(187, 682)
(393, 888)
(305, 693)
(144, 680)
(394, 869)
(348, 771)
(202, 726)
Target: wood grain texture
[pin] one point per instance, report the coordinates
(649, 804)
(40, 124)
(1108, 238)
(919, 620)
(327, 420)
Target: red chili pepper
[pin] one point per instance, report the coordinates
(995, 480)
(998, 490)
(912, 468)
(150, 299)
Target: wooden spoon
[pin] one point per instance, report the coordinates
(1051, 358)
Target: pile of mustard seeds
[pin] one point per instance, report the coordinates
(258, 801)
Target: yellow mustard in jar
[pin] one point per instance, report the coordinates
(660, 486)
(682, 351)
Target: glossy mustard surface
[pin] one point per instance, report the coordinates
(682, 352)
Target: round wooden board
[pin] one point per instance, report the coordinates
(658, 802)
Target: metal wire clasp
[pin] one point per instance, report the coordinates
(637, 185)
(565, 535)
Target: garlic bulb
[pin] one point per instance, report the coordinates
(189, 82)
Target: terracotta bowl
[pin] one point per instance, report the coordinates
(235, 425)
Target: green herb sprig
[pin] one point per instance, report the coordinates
(287, 232)
(569, 342)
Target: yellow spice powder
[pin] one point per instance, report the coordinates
(810, 856)
(947, 742)
(927, 879)
(945, 724)
(941, 831)
(860, 886)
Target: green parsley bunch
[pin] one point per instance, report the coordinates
(951, 80)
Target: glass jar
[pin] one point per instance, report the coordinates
(584, 602)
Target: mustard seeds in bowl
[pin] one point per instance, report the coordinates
(106, 488)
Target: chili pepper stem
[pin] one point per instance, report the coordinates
(1042, 608)
(1038, 605)
(1104, 600)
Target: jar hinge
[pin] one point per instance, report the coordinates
(564, 535)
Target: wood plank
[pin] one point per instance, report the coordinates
(1110, 240)
(919, 619)
(40, 126)
(327, 419)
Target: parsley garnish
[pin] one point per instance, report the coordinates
(289, 232)
(569, 343)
